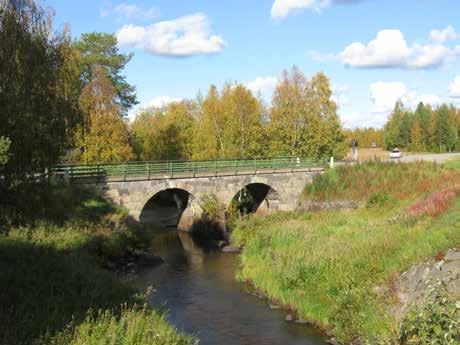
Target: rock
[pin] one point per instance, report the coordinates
(148, 259)
(301, 321)
(452, 255)
(222, 244)
(332, 341)
(412, 285)
(110, 265)
(231, 249)
(289, 317)
(274, 307)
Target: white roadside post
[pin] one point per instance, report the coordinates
(331, 163)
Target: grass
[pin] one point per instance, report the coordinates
(53, 287)
(325, 265)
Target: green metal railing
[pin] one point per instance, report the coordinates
(133, 171)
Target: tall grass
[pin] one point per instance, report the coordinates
(360, 182)
(51, 276)
(133, 326)
(325, 265)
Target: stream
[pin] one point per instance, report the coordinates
(201, 296)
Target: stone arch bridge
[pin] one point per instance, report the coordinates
(170, 193)
(275, 191)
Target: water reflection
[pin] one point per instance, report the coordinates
(200, 292)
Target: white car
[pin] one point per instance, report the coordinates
(396, 153)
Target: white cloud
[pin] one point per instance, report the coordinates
(355, 119)
(126, 11)
(441, 36)
(321, 57)
(282, 8)
(454, 90)
(390, 49)
(263, 85)
(184, 36)
(340, 94)
(161, 101)
(384, 96)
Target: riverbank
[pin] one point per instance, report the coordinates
(326, 265)
(56, 287)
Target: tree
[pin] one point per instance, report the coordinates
(303, 118)
(4, 147)
(416, 136)
(38, 110)
(100, 50)
(104, 137)
(165, 133)
(423, 115)
(288, 114)
(209, 137)
(243, 131)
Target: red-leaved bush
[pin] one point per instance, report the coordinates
(435, 204)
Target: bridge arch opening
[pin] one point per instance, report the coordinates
(254, 197)
(169, 208)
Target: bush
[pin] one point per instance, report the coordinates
(133, 326)
(211, 206)
(436, 323)
(378, 199)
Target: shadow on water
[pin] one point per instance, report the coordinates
(201, 296)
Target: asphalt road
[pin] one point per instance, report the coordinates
(438, 157)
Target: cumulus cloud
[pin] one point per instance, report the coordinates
(441, 36)
(161, 101)
(340, 94)
(263, 85)
(357, 119)
(454, 90)
(126, 11)
(389, 49)
(283, 8)
(384, 96)
(184, 36)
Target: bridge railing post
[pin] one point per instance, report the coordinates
(193, 168)
(124, 172)
(236, 167)
(148, 171)
(71, 173)
(215, 168)
(171, 171)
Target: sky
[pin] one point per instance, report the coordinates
(374, 51)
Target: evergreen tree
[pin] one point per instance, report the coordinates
(100, 50)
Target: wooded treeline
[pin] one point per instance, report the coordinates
(425, 129)
(66, 100)
(233, 123)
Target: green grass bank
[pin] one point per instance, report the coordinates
(326, 265)
(54, 289)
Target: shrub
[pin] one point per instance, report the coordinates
(437, 322)
(211, 206)
(435, 204)
(134, 326)
(378, 199)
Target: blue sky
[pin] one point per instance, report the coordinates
(374, 51)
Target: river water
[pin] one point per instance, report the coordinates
(202, 298)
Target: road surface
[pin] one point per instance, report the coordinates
(438, 157)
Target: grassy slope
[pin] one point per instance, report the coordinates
(324, 265)
(51, 277)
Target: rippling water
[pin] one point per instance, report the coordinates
(202, 298)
